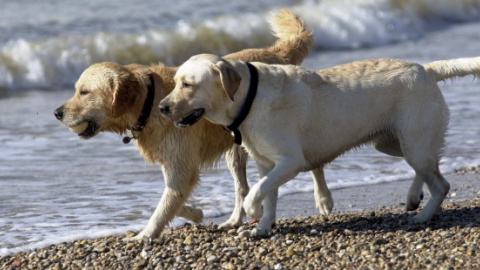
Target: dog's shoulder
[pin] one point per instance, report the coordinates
(273, 75)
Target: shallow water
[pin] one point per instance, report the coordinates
(55, 187)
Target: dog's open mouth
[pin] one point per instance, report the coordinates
(191, 119)
(85, 130)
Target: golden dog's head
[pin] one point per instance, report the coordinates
(202, 84)
(108, 97)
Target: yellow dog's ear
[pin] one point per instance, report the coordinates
(126, 88)
(229, 78)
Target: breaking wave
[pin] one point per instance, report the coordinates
(56, 62)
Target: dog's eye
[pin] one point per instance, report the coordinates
(186, 85)
(84, 92)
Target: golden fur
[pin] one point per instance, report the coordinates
(110, 98)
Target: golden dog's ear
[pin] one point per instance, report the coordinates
(125, 91)
(229, 78)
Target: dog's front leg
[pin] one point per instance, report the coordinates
(269, 208)
(179, 182)
(236, 159)
(284, 170)
(265, 224)
(323, 200)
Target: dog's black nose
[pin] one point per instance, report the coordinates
(164, 109)
(58, 113)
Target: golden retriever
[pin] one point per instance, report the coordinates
(300, 119)
(115, 98)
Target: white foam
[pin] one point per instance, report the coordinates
(66, 237)
(57, 62)
(51, 178)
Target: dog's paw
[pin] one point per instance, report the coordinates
(252, 208)
(421, 218)
(137, 238)
(145, 234)
(325, 205)
(197, 216)
(229, 224)
(262, 232)
(191, 213)
(413, 201)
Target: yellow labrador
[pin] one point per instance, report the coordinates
(301, 119)
(113, 98)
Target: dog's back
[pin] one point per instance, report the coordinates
(346, 106)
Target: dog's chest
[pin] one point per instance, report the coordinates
(257, 148)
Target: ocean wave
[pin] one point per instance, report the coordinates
(348, 24)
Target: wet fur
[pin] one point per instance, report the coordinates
(115, 99)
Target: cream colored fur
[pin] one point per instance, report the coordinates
(301, 120)
(112, 96)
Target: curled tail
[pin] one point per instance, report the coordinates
(294, 39)
(441, 70)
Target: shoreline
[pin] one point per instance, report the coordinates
(464, 185)
(378, 236)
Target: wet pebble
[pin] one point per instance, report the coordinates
(343, 241)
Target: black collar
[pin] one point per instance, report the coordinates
(247, 105)
(147, 108)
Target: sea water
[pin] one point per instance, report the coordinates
(55, 187)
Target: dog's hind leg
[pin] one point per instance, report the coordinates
(423, 154)
(438, 187)
(323, 196)
(390, 145)
(415, 194)
(236, 159)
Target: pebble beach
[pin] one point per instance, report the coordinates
(379, 237)
(56, 188)
(66, 203)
